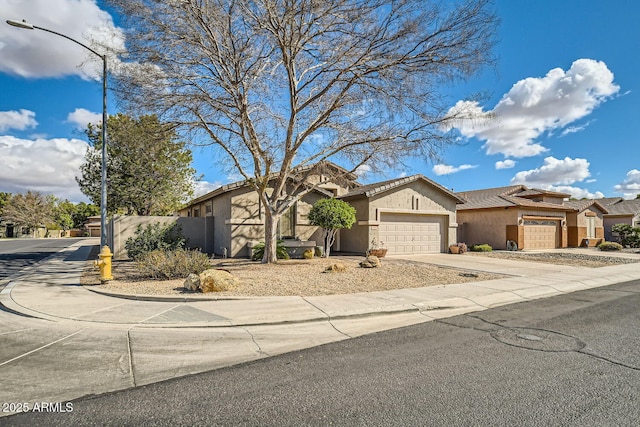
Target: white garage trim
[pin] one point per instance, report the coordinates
(410, 233)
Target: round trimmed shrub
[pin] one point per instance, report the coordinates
(610, 246)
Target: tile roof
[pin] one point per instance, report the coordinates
(239, 184)
(625, 207)
(380, 187)
(606, 201)
(581, 205)
(501, 197)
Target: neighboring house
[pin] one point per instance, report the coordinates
(92, 225)
(620, 211)
(410, 215)
(532, 218)
(585, 226)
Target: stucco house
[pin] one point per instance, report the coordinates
(410, 215)
(532, 218)
(585, 226)
(620, 211)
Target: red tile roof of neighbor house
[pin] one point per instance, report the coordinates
(380, 187)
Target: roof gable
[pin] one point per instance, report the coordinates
(374, 189)
(581, 205)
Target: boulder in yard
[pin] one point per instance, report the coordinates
(217, 281)
(370, 262)
(192, 283)
(337, 267)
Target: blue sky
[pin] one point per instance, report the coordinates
(565, 95)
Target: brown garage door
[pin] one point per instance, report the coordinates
(411, 234)
(540, 234)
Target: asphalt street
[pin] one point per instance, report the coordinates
(572, 359)
(18, 254)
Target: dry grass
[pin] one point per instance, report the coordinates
(298, 277)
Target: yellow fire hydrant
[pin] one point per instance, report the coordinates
(105, 264)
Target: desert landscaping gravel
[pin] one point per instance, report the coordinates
(298, 277)
(562, 258)
(309, 278)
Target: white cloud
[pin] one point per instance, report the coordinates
(362, 170)
(554, 172)
(81, 118)
(506, 164)
(203, 187)
(630, 186)
(19, 120)
(34, 54)
(46, 165)
(534, 106)
(447, 169)
(576, 192)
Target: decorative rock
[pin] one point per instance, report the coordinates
(338, 267)
(217, 281)
(370, 262)
(192, 283)
(308, 254)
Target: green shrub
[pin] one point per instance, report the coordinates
(481, 248)
(610, 246)
(154, 237)
(176, 264)
(628, 235)
(258, 251)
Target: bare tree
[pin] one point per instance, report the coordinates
(31, 210)
(282, 86)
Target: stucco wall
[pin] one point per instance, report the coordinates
(197, 231)
(357, 237)
(486, 226)
(611, 221)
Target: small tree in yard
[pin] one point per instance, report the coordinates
(628, 235)
(331, 215)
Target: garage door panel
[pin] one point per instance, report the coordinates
(410, 233)
(540, 234)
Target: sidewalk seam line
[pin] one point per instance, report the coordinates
(40, 348)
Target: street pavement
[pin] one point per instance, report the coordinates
(69, 341)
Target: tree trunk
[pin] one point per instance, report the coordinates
(270, 237)
(329, 238)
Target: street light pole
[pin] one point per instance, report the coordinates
(103, 182)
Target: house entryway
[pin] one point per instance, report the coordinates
(411, 233)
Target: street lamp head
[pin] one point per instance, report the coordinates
(20, 24)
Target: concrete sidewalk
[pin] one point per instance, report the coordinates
(53, 293)
(69, 342)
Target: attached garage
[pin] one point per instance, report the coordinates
(540, 234)
(412, 234)
(408, 215)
